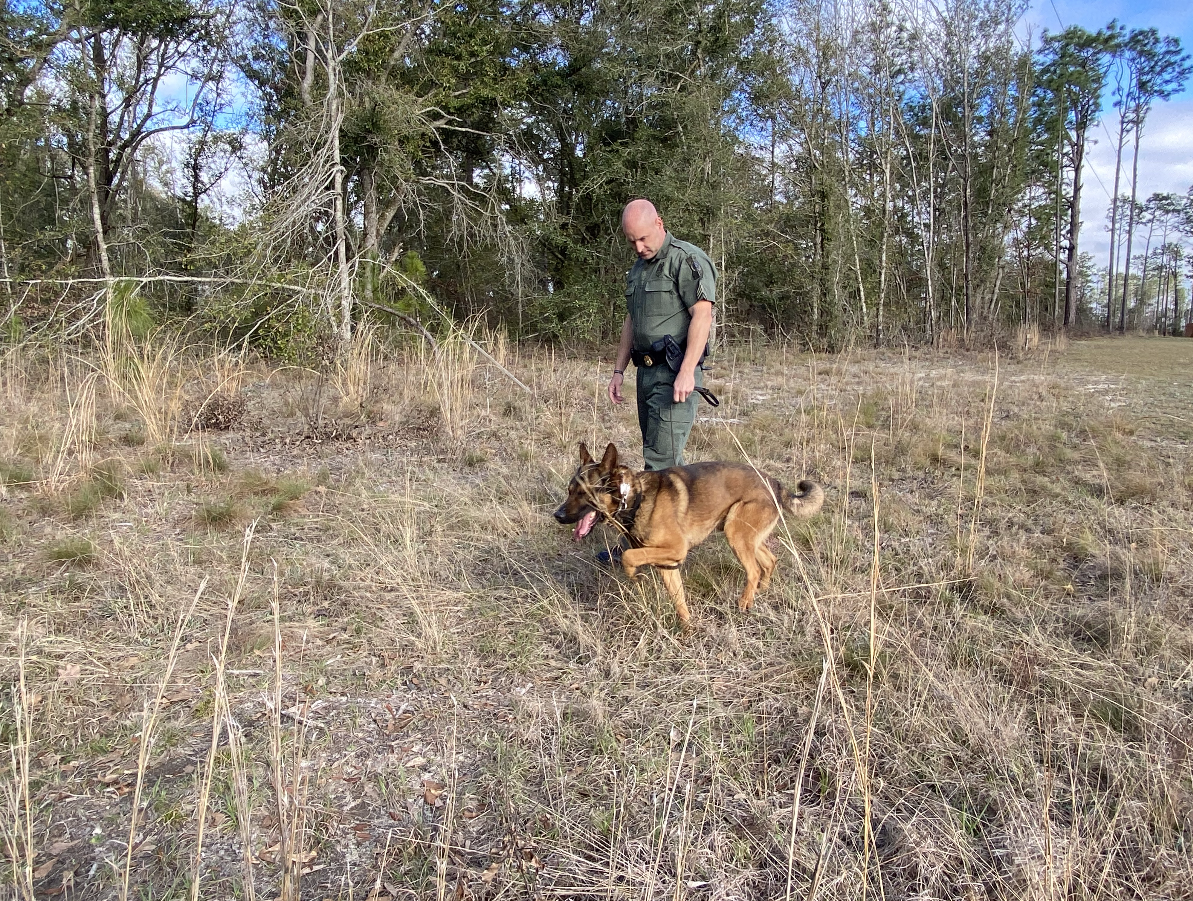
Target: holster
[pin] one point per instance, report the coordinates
(668, 350)
(673, 352)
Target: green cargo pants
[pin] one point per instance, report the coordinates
(665, 425)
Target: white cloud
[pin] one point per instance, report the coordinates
(1165, 165)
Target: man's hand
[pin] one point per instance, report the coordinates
(615, 388)
(685, 384)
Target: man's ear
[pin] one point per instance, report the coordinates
(585, 456)
(609, 461)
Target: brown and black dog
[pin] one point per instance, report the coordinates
(666, 513)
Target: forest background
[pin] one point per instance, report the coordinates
(874, 171)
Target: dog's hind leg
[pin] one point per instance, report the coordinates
(767, 561)
(746, 539)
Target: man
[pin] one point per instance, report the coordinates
(670, 291)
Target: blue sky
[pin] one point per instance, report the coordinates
(1166, 152)
(1171, 17)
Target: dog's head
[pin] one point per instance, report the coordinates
(597, 491)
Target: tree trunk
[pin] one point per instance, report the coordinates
(966, 206)
(336, 116)
(95, 189)
(1118, 166)
(1122, 313)
(99, 160)
(1060, 153)
(1147, 249)
(1070, 318)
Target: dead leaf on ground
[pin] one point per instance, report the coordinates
(431, 792)
(44, 870)
(186, 694)
(270, 854)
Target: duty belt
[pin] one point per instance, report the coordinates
(647, 359)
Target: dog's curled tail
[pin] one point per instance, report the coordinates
(805, 502)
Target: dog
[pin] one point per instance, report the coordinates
(665, 513)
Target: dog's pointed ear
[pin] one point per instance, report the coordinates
(609, 461)
(585, 456)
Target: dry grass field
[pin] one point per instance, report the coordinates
(269, 633)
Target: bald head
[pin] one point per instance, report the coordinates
(643, 228)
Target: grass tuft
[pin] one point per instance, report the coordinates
(16, 474)
(103, 482)
(75, 550)
(219, 513)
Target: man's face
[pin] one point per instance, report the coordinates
(646, 234)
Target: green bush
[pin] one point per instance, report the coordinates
(585, 311)
(277, 324)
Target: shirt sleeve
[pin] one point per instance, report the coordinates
(697, 279)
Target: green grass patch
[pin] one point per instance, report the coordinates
(103, 482)
(475, 458)
(220, 513)
(286, 493)
(16, 474)
(74, 550)
(134, 437)
(210, 458)
(277, 495)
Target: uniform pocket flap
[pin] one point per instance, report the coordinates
(659, 284)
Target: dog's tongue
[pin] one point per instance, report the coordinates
(584, 526)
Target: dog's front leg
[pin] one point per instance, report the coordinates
(668, 560)
(635, 558)
(674, 582)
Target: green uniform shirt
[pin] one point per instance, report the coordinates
(660, 292)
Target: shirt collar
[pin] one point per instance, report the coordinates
(662, 251)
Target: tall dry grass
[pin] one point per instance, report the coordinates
(18, 823)
(354, 374)
(75, 445)
(969, 679)
(147, 377)
(449, 377)
(150, 717)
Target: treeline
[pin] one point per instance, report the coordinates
(877, 170)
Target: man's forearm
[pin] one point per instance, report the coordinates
(698, 331)
(625, 346)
